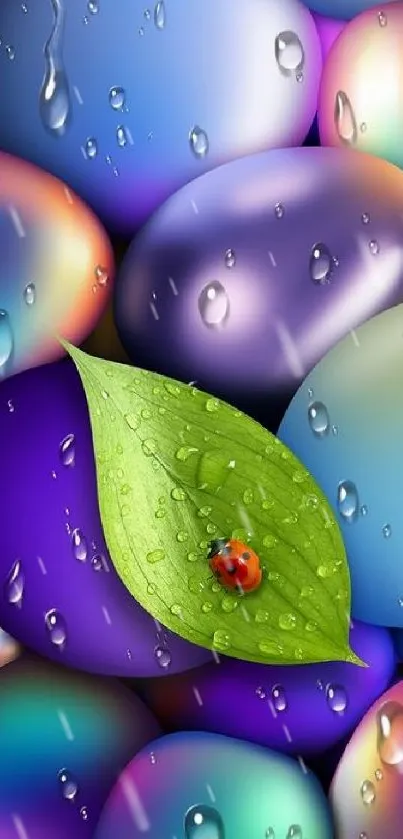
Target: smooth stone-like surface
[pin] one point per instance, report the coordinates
(366, 793)
(147, 98)
(328, 29)
(59, 592)
(361, 94)
(56, 265)
(9, 649)
(344, 9)
(299, 710)
(245, 278)
(64, 739)
(236, 789)
(356, 393)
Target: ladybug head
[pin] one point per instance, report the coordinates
(216, 546)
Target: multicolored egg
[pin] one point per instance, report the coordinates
(345, 424)
(56, 267)
(65, 737)
(361, 94)
(246, 277)
(203, 786)
(297, 710)
(366, 792)
(128, 105)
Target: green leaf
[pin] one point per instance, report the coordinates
(177, 468)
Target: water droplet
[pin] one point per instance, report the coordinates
(162, 655)
(368, 793)
(214, 305)
(30, 294)
(260, 692)
(155, 556)
(15, 582)
(230, 258)
(91, 148)
(153, 759)
(56, 627)
(182, 536)
(347, 500)
(206, 607)
(149, 447)
(320, 264)
(178, 494)
(213, 470)
(221, 640)
(24, 8)
(378, 774)
(68, 784)
(390, 733)
(364, 510)
(101, 276)
(199, 142)
(336, 698)
(141, 31)
(212, 405)
(287, 621)
(79, 543)
(270, 834)
(67, 450)
(318, 418)
(279, 698)
(248, 496)
(365, 218)
(93, 7)
(10, 52)
(84, 813)
(203, 822)
(117, 98)
(386, 531)
(229, 604)
(289, 53)
(382, 19)
(6, 340)
(98, 562)
(279, 210)
(374, 247)
(160, 15)
(269, 541)
(344, 119)
(294, 832)
(185, 452)
(54, 100)
(121, 136)
(132, 421)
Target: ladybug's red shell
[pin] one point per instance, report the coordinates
(235, 565)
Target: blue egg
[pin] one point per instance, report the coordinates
(358, 459)
(127, 102)
(204, 786)
(343, 9)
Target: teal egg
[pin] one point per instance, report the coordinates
(206, 786)
(346, 425)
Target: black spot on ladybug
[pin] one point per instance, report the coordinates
(230, 569)
(217, 546)
(246, 555)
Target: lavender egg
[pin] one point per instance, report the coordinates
(299, 710)
(246, 277)
(60, 594)
(127, 104)
(65, 737)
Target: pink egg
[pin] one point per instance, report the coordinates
(328, 30)
(367, 790)
(361, 92)
(56, 267)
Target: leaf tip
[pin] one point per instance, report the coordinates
(352, 658)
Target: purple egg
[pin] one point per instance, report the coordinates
(60, 594)
(328, 30)
(246, 277)
(64, 740)
(293, 709)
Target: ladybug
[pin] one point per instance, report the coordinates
(235, 565)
